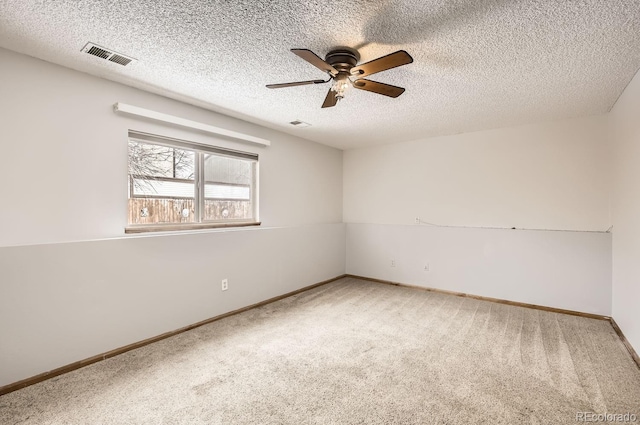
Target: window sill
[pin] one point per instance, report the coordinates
(178, 227)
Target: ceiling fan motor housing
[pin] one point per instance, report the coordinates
(343, 59)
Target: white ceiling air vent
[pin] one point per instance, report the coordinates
(110, 55)
(300, 124)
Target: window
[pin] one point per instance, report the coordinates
(181, 185)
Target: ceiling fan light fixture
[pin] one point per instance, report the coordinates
(340, 86)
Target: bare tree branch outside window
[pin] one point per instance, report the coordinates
(148, 162)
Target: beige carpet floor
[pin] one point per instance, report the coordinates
(353, 352)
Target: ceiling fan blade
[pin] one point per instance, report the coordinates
(330, 100)
(382, 64)
(315, 60)
(380, 88)
(299, 83)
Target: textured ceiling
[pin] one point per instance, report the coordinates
(477, 64)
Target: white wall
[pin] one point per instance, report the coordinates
(564, 270)
(65, 150)
(548, 176)
(73, 285)
(626, 212)
(65, 302)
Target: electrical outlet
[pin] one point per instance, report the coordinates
(426, 267)
(417, 220)
(225, 284)
(393, 263)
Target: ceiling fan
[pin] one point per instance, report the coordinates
(341, 65)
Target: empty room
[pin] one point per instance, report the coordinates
(318, 212)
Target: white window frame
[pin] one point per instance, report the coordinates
(200, 150)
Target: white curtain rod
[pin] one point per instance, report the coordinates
(182, 122)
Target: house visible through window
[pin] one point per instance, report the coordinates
(175, 184)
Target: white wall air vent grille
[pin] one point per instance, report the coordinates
(96, 51)
(107, 54)
(122, 60)
(300, 124)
